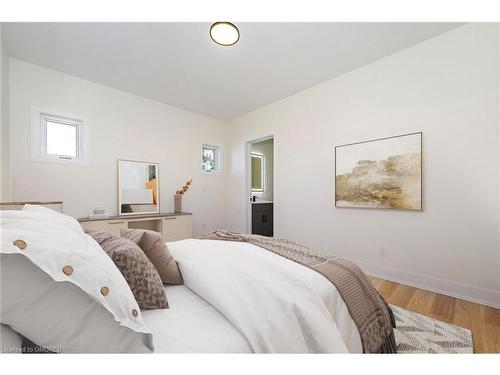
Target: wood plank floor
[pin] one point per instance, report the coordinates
(483, 321)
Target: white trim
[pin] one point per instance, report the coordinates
(219, 160)
(433, 284)
(38, 141)
(248, 182)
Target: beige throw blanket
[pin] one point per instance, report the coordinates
(368, 309)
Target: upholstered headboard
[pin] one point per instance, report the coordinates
(55, 205)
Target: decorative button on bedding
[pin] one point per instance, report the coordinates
(104, 291)
(135, 313)
(68, 270)
(20, 244)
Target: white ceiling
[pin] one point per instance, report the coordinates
(178, 64)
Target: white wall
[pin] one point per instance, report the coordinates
(498, 132)
(122, 126)
(265, 148)
(5, 193)
(446, 87)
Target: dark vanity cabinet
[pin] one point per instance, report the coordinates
(262, 219)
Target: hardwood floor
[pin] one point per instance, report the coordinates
(483, 321)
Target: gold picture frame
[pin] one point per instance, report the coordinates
(382, 173)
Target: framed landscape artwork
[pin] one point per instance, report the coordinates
(382, 173)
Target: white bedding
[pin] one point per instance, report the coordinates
(251, 300)
(191, 325)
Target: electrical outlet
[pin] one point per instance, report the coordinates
(382, 252)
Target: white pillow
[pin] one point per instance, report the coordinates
(86, 307)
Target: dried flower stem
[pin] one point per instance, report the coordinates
(184, 189)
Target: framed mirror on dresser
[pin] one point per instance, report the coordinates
(138, 188)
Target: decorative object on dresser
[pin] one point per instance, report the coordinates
(171, 226)
(381, 173)
(99, 213)
(138, 187)
(178, 196)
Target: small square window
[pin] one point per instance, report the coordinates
(211, 159)
(208, 159)
(61, 139)
(58, 137)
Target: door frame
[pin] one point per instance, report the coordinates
(248, 179)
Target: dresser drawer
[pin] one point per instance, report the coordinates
(175, 228)
(111, 226)
(171, 226)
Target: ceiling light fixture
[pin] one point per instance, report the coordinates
(224, 33)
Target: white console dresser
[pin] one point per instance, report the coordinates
(172, 226)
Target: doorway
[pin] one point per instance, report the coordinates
(260, 186)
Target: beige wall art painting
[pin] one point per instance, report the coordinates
(382, 173)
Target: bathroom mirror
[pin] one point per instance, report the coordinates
(257, 173)
(138, 187)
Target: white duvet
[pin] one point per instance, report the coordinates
(276, 305)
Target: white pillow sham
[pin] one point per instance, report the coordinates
(62, 291)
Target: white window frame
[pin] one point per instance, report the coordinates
(39, 118)
(218, 160)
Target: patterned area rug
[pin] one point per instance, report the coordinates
(416, 333)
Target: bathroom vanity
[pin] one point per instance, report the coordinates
(262, 218)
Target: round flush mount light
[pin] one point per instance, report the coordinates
(224, 33)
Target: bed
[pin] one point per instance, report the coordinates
(223, 308)
(236, 297)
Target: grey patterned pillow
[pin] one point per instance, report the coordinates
(157, 252)
(140, 274)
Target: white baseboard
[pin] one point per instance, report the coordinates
(466, 292)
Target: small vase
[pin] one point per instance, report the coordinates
(177, 204)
